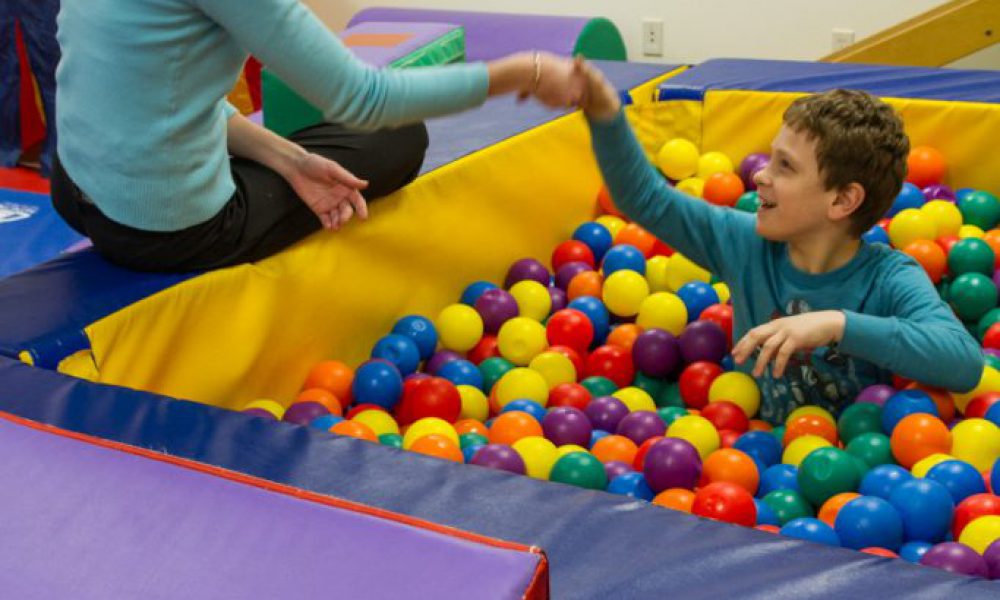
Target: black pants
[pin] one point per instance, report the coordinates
(264, 215)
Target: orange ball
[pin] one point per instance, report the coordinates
(512, 426)
(606, 203)
(637, 236)
(930, 256)
(992, 239)
(810, 425)
(733, 466)
(332, 376)
(438, 446)
(758, 425)
(875, 550)
(723, 189)
(925, 165)
(321, 396)
(624, 336)
(942, 399)
(471, 426)
(917, 436)
(587, 283)
(828, 512)
(354, 429)
(676, 499)
(615, 447)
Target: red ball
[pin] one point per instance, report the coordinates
(570, 327)
(429, 397)
(695, 381)
(612, 362)
(721, 315)
(357, 408)
(573, 356)
(485, 348)
(569, 394)
(991, 339)
(899, 382)
(976, 409)
(728, 437)
(946, 242)
(973, 507)
(726, 415)
(727, 502)
(661, 249)
(640, 455)
(572, 251)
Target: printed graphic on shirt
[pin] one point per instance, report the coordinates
(12, 211)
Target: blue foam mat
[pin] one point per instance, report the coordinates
(31, 231)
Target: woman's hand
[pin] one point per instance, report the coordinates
(600, 100)
(328, 189)
(549, 78)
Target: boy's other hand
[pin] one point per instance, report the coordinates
(600, 100)
(781, 338)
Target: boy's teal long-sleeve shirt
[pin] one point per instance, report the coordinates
(895, 320)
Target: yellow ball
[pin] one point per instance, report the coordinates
(910, 225)
(977, 442)
(678, 159)
(427, 426)
(624, 292)
(635, 398)
(475, 404)
(967, 231)
(681, 270)
(692, 186)
(520, 339)
(380, 421)
(801, 447)
(656, 273)
(459, 327)
(612, 224)
(810, 410)
(663, 310)
(723, 291)
(555, 367)
(538, 454)
(533, 299)
(562, 451)
(521, 382)
(927, 463)
(738, 388)
(711, 163)
(989, 381)
(270, 406)
(981, 532)
(699, 431)
(945, 215)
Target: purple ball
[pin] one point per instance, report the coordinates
(614, 468)
(656, 353)
(302, 413)
(260, 412)
(991, 556)
(956, 558)
(499, 456)
(527, 268)
(440, 359)
(672, 463)
(996, 278)
(875, 394)
(938, 191)
(606, 412)
(568, 271)
(641, 425)
(567, 425)
(559, 298)
(703, 340)
(749, 167)
(496, 307)
(992, 352)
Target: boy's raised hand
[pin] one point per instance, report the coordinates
(781, 338)
(600, 99)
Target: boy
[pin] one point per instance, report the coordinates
(829, 314)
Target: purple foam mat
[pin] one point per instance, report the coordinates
(420, 35)
(83, 521)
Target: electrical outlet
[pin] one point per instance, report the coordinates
(652, 37)
(842, 38)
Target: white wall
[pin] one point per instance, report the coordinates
(695, 30)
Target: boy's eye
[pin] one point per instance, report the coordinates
(785, 164)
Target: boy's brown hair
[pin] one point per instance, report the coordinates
(859, 139)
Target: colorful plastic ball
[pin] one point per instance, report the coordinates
(614, 448)
(321, 396)
(493, 369)
(663, 310)
(802, 424)
(811, 530)
(623, 335)
(726, 415)
(325, 422)
(857, 419)
(632, 485)
(640, 426)
(501, 457)
(695, 383)
(612, 223)
(980, 208)
(761, 446)
(765, 515)
(909, 226)
(726, 502)
(992, 558)
(532, 299)
(926, 508)
(750, 165)
(598, 385)
(787, 505)
(635, 399)
(511, 426)
(723, 189)
(956, 557)
(872, 448)
(570, 327)
(959, 477)
(569, 394)
(831, 508)
(678, 159)
(972, 295)
(989, 381)
(925, 166)
(471, 293)
(877, 394)
(801, 447)
(581, 469)
(697, 296)
(714, 162)
(437, 446)
(615, 468)
(728, 464)
(567, 426)
(624, 291)
(566, 273)
(909, 196)
(521, 382)
(392, 440)
(558, 299)
(678, 499)
(634, 235)
(904, 403)
(972, 508)
(354, 429)
(496, 307)
(656, 274)
(656, 353)
(606, 412)
(332, 376)
(594, 310)
(527, 268)
(976, 441)
(939, 191)
(623, 257)
(430, 397)
(876, 235)
(981, 532)
(692, 186)
(869, 521)
(521, 339)
(697, 430)
(738, 388)
(945, 215)
(611, 362)
(531, 407)
(913, 551)
(438, 360)
(670, 463)
(606, 203)
(380, 421)
(595, 236)
(882, 480)
(400, 350)
(377, 382)
(971, 255)
(462, 372)
(826, 472)
(459, 327)
(538, 454)
(970, 231)
(917, 436)
(778, 477)
(572, 251)
(703, 341)
(472, 439)
(930, 256)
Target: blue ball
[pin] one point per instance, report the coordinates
(400, 350)
(993, 414)
(905, 403)
(914, 551)
(474, 290)
(597, 435)
(761, 446)
(462, 372)
(960, 479)
(421, 330)
(869, 521)
(697, 296)
(469, 451)
(325, 422)
(598, 315)
(882, 480)
(778, 477)
(926, 508)
(377, 382)
(531, 407)
(876, 235)
(728, 363)
(632, 485)
(765, 514)
(623, 256)
(811, 530)
(909, 197)
(963, 193)
(596, 236)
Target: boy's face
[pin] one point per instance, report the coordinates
(794, 203)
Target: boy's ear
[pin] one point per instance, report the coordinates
(848, 200)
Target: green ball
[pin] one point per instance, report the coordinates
(493, 369)
(826, 472)
(788, 505)
(873, 448)
(992, 361)
(748, 202)
(599, 385)
(580, 469)
(992, 316)
(971, 255)
(670, 396)
(944, 289)
(973, 295)
(391, 439)
(651, 385)
(471, 438)
(779, 432)
(981, 209)
(669, 414)
(859, 418)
